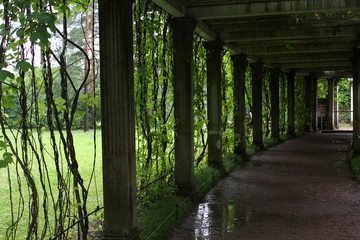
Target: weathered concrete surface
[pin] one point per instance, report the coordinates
(301, 189)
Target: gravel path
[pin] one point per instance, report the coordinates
(300, 189)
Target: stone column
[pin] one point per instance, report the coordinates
(118, 121)
(336, 105)
(307, 113)
(330, 104)
(291, 103)
(352, 103)
(213, 63)
(256, 69)
(239, 64)
(183, 29)
(275, 109)
(356, 101)
(313, 104)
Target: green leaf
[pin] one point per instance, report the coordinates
(24, 66)
(79, 7)
(60, 104)
(8, 157)
(4, 32)
(5, 74)
(8, 105)
(79, 113)
(23, 3)
(42, 35)
(19, 80)
(3, 164)
(2, 144)
(46, 17)
(20, 33)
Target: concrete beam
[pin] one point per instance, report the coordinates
(287, 23)
(269, 8)
(310, 48)
(175, 9)
(299, 42)
(290, 34)
(321, 71)
(309, 57)
(346, 63)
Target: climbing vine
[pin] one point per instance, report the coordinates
(300, 107)
(39, 105)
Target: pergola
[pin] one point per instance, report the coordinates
(314, 38)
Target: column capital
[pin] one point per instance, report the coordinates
(239, 59)
(290, 75)
(183, 23)
(257, 66)
(214, 45)
(275, 70)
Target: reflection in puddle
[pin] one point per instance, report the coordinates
(229, 218)
(214, 219)
(203, 222)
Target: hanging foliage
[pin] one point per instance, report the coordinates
(227, 104)
(300, 107)
(200, 102)
(266, 105)
(41, 83)
(154, 102)
(283, 103)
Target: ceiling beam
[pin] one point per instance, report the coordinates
(335, 69)
(297, 49)
(281, 34)
(309, 57)
(328, 64)
(299, 42)
(176, 10)
(269, 8)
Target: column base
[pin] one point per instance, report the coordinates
(217, 165)
(275, 140)
(259, 147)
(291, 134)
(356, 147)
(185, 192)
(242, 155)
(120, 237)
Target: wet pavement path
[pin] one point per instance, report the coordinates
(300, 189)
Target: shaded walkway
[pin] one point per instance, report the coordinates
(301, 189)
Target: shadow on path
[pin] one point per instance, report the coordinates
(300, 189)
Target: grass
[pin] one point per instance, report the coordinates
(85, 155)
(157, 222)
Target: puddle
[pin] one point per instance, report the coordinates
(218, 219)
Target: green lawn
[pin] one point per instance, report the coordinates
(84, 145)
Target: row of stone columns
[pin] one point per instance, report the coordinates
(118, 128)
